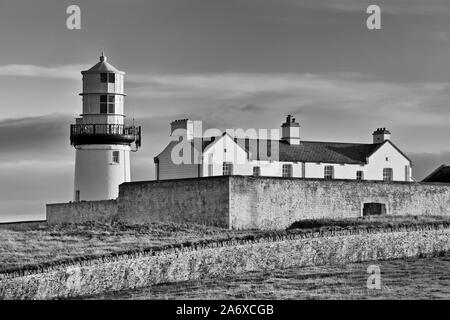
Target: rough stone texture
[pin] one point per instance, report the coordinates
(202, 201)
(127, 272)
(83, 211)
(271, 203)
(239, 202)
(24, 225)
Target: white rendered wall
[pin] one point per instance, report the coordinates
(226, 150)
(395, 160)
(169, 170)
(96, 176)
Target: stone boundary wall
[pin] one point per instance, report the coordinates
(243, 202)
(23, 225)
(141, 269)
(276, 203)
(200, 200)
(83, 211)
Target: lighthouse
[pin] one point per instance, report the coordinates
(100, 136)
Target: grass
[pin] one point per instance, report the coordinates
(400, 279)
(370, 222)
(49, 244)
(55, 243)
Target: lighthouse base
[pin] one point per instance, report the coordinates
(99, 170)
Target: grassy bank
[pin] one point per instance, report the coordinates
(51, 244)
(55, 243)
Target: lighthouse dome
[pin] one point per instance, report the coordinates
(103, 67)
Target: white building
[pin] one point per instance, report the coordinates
(191, 154)
(100, 137)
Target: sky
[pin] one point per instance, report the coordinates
(231, 63)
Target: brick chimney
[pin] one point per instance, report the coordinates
(290, 131)
(380, 135)
(187, 128)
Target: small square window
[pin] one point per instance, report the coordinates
(111, 108)
(103, 77)
(359, 175)
(256, 171)
(103, 98)
(115, 157)
(388, 174)
(111, 99)
(287, 170)
(227, 169)
(329, 172)
(112, 78)
(387, 158)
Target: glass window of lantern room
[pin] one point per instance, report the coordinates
(111, 78)
(103, 77)
(103, 104)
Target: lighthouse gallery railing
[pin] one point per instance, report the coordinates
(80, 133)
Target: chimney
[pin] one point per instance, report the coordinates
(189, 129)
(380, 135)
(290, 131)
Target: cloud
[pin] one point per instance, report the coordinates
(31, 138)
(396, 7)
(416, 103)
(70, 72)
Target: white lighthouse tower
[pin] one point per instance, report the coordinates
(101, 139)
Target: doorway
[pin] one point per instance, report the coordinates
(374, 209)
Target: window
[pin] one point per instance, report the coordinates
(387, 174)
(256, 171)
(287, 170)
(227, 169)
(329, 172)
(107, 104)
(359, 175)
(77, 195)
(103, 77)
(107, 78)
(115, 157)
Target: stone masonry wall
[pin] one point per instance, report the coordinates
(275, 203)
(239, 202)
(197, 262)
(83, 211)
(202, 201)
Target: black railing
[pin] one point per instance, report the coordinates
(104, 133)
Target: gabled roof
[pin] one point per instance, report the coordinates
(311, 151)
(441, 174)
(306, 151)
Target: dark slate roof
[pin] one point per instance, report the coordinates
(306, 151)
(441, 174)
(312, 151)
